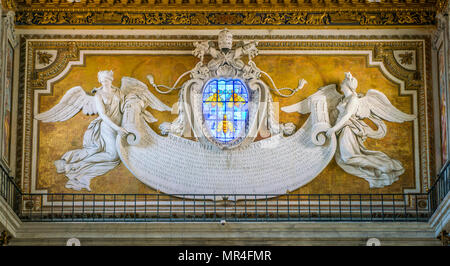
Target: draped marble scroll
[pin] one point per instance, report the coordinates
(277, 164)
(176, 165)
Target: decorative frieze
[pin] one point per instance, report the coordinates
(219, 18)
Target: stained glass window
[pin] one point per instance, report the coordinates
(225, 109)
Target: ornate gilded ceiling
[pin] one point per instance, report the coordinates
(296, 13)
(226, 4)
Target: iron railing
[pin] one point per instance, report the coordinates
(87, 207)
(440, 188)
(9, 190)
(229, 207)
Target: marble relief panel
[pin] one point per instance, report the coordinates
(318, 70)
(407, 142)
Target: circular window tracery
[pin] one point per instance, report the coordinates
(225, 109)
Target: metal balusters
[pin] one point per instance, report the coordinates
(404, 208)
(3, 184)
(204, 207)
(329, 207)
(93, 207)
(124, 206)
(135, 214)
(157, 208)
(256, 209)
(145, 208)
(73, 207)
(194, 217)
(267, 209)
(51, 208)
(277, 218)
(182, 209)
(309, 207)
(170, 209)
(62, 207)
(215, 208)
(41, 206)
(245, 203)
(114, 207)
(393, 207)
(340, 207)
(350, 205)
(83, 215)
(318, 200)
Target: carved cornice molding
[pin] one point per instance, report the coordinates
(227, 12)
(391, 17)
(189, 38)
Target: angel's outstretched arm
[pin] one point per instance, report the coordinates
(101, 112)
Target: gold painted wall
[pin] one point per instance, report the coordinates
(57, 138)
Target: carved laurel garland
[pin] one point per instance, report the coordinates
(68, 51)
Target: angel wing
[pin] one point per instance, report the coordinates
(376, 106)
(138, 88)
(71, 103)
(375, 102)
(303, 107)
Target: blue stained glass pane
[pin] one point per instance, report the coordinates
(240, 128)
(237, 115)
(210, 112)
(212, 88)
(225, 109)
(229, 90)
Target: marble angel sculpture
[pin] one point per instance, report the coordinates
(99, 153)
(346, 114)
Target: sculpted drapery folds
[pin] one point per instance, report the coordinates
(347, 113)
(99, 153)
(376, 167)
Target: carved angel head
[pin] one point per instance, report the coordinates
(349, 82)
(105, 78)
(225, 39)
(105, 75)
